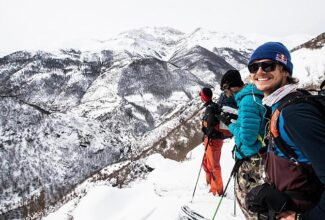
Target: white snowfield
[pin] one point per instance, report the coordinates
(158, 197)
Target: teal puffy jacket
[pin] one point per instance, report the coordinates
(250, 122)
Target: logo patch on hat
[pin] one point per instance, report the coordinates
(281, 58)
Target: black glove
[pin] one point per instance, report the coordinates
(265, 198)
(231, 115)
(225, 119)
(255, 199)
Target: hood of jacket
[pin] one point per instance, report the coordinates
(248, 89)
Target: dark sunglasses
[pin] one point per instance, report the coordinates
(267, 66)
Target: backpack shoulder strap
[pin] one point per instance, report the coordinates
(282, 145)
(316, 100)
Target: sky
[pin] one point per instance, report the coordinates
(158, 197)
(46, 23)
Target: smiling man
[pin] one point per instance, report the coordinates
(295, 164)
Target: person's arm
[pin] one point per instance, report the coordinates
(304, 125)
(248, 124)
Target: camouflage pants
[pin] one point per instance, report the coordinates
(250, 174)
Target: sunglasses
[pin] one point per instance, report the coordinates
(267, 66)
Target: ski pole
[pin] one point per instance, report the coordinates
(233, 172)
(223, 195)
(198, 176)
(235, 195)
(197, 180)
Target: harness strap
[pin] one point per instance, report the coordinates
(238, 149)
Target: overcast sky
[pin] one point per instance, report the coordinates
(37, 23)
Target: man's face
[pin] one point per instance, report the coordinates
(269, 75)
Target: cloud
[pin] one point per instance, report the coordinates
(39, 23)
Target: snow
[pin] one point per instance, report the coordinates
(309, 66)
(211, 39)
(160, 196)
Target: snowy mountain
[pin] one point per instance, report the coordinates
(310, 59)
(204, 64)
(65, 117)
(66, 114)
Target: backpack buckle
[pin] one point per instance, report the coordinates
(295, 161)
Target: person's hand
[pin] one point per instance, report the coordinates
(232, 116)
(226, 119)
(287, 215)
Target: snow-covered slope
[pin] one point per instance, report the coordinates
(159, 195)
(211, 39)
(204, 64)
(310, 66)
(309, 61)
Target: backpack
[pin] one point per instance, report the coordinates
(218, 132)
(304, 183)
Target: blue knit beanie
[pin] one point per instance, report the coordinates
(274, 51)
